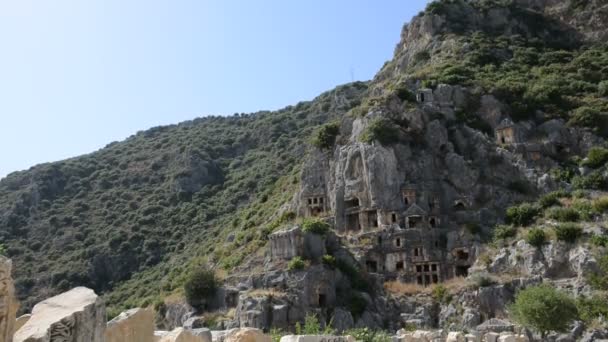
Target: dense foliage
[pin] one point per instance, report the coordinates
(544, 308)
(200, 286)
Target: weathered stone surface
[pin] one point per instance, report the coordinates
(246, 335)
(203, 333)
(455, 336)
(21, 320)
(342, 320)
(507, 338)
(135, 325)
(180, 335)
(8, 302)
(317, 338)
(194, 322)
(74, 316)
(491, 337)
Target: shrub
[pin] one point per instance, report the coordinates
(599, 240)
(325, 136)
(522, 214)
(592, 308)
(600, 205)
(201, 284)
(536, 237)
(568, 232)
(296, 264)
(382, 130)
(440, 294)
(482, 280)
(562, 174)
(563, 214)
(405, 94)
(329, 260)
(544, 309)
(502, 232)
(520, 186)
(596, 157)
(315, 226)
(592, 181)
(551, 199)
(599, 280)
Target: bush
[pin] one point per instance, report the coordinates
(544, 309)
(482, 280)
(296, 264)
(325, 136)
(329, 260)
(568, 232)
(599, 240)
(502, 232)
(356, 304)
(440, 294)
(200, 285)
(382, 130)
(563, 214)
(592, 181)
(522, 215)
(315, 226)
(592, 308)
(536, 237)
(405, 94)
(552, 198)
(600, 205)
(596, 157)
(599, 280)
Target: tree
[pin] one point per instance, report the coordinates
(200, 286)
(544, 308)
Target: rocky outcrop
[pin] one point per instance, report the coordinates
(135, 325)
(179, 335)
(8, 302)
(317, 338)
(73, 316)
(246, 335)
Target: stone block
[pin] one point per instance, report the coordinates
(135, 325)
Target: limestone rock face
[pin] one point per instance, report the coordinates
(135, 325)
(180, 335)
(21, 320)
(8, 303)
(247, 335)
(75, 316)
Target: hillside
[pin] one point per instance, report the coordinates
(159, 198)
(484, 132)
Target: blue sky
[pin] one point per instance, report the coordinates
(78, 74)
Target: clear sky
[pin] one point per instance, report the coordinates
(78, 74)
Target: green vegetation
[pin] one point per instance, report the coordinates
(296, 264)
(200, 285)
(544, 309)
(441, 294)
(132, 219)
(599, 240)
(313, 327)
(600, 205)
(593, 181)
(382, 130)
(568, 232)
(596, 157)
(315, 226)
(552, 199)
(599, 280)
(325, 136)
(502, 232)
(563, 214)
(536, 237)
(522, 215)
(329, 260)
(592, 308)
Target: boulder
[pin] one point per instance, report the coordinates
(135, 325)
(180, 335)
(21, 320)
(247, 335)
(342, 320)
(317, 338)
(76, 315)
(454, 336)
(491, 337)
(203, 333)
(507, 338)
(8, 302)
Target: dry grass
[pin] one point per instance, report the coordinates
(267, 293)
(398, 288)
